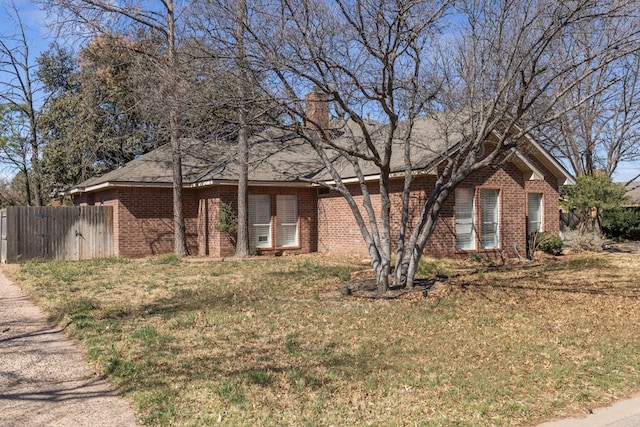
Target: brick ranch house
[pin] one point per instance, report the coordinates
(490, 212)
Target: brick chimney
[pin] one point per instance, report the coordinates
(317, 110)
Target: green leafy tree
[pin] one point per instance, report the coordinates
(14, 145)
(65, 135)
(590, 197)
(93, 122)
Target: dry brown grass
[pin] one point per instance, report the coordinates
(275, 342)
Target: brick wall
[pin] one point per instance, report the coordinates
(550, 200)
(210, 241)
(338, 232)
(143, 219)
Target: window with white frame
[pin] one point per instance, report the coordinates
(534, 212)
(489, 217)
(465, 232)
(259, 220)
(287, 220)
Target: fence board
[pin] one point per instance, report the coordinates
(69, 233)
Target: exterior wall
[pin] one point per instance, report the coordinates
(210, 241)
(550, 200)
(143, 219)
(213, 243)
(338, 232)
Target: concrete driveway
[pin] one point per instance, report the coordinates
(44, 377)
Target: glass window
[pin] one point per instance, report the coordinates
(259, 221)
(287, 220)
(534, 212)
(465, 233)
(489, 233)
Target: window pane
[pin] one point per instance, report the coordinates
(465, 233)
(489, 217)
(287, 217)
(259, 221)
(534, 212)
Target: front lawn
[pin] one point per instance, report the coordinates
(275, 342)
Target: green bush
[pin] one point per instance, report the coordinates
(227, 219)
(623, 224)
(547, 242)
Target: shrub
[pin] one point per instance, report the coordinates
(589, 242)
(227, 220)
(166, 259)
(476, 257)
(546, 242)
(622, 224)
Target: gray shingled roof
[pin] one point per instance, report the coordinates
(277, 156)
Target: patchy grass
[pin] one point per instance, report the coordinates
(274, 342)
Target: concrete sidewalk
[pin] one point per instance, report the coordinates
(624, 413)
(44, 378)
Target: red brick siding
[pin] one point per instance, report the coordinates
(550, 200)
(338, 232)
(143, 219)
(210, 241)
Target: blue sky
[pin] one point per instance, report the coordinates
(33, 19)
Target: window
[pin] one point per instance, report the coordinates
(465, 233)
(534, 212)
(259, 221)
(489, 232)
(287, 215)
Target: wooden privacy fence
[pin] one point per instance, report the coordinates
(68, 233)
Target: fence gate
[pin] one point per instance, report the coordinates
(69, 233)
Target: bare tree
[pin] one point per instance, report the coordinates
(484, 70)
(18, 91)
(242, 240)
(223, 24)
(598, 123)
(103, 16)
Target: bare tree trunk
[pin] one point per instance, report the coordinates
(180, 239)
(35, 160)
(242, 242)
(33, 139)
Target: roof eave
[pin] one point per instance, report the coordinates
(555, 167)
(116, 184)
(251, 183)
